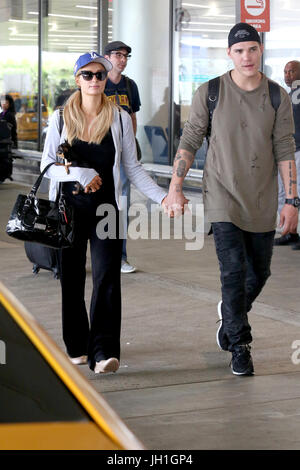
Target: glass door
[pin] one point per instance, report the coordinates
(282, 43)
(69, 30)
(19, 67)
(144, 26)
(200, 42)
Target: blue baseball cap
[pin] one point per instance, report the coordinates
(92, 57)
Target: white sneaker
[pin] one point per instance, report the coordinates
(107, 365)
(126, 267)
(79, 360)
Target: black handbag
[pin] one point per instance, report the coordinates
(50, 223)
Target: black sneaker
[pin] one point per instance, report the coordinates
(221, 337)
(288, 239)
(241, 363)
(296, 246)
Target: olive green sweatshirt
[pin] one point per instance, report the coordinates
(248, 139)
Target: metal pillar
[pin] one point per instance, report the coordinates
(171, 149)
(102, 30)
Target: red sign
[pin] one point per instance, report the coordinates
(256, 13)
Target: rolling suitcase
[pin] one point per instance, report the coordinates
(43, 257)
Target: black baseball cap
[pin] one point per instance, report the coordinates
(115, 46)
(242, 32)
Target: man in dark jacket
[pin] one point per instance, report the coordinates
(9, 114)
(292, 79)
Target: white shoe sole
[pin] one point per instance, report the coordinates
(221, 318)
(128, 271)
(78, 361)
(108, 365)
(242, 373)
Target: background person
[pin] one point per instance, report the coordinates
(240, 183)
(92, 127)
(291, 74)
(63, 97)
(116, 89)
(9, 114)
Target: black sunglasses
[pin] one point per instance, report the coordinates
(88, 76)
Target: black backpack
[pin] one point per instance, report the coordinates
(213, 95)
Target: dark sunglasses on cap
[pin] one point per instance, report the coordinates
(88, 76)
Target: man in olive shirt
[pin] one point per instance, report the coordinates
(249, 141)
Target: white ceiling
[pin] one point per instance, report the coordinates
(67, 25)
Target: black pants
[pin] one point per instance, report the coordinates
(99, 338)
(244, 259)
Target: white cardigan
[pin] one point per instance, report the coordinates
(125, 151)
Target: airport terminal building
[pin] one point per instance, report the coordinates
(176, 46)
(175, 389)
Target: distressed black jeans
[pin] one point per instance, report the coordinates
(244, 259)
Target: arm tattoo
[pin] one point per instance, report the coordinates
(189, 156)
(289, 181)
(181, 168)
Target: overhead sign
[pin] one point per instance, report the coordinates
(256, 13)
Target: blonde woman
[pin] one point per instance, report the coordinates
(102, 135)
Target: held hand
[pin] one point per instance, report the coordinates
(288, 219)
(94, 185)
(175, 203)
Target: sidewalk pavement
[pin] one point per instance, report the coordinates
(175, 389)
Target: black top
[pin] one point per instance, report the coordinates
(101, 157)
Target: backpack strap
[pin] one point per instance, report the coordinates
(61, 119)
(213, 96)
(274, 91)
(129, 93)
(121, 123)
(212, 100)
(61, 122)
(121, 127)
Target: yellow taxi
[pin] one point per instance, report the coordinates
(27, 118)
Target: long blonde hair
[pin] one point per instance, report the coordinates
(75, 121)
